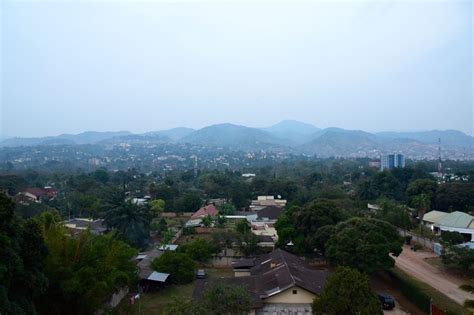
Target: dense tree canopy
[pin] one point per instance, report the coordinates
(364, 244)
(179, 265)
(83, 271)
(22, 254)
(199, 250)
(131, 220)
(300, 225)
(347, 292)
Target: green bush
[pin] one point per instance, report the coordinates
(412, 292)
(469, 303)
(467, 287)
(417, 247)
(189, 231)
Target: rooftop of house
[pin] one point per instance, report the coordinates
(205, 211)
(271, 274)
(456, 219)
(96, 226)
(40, 192)
(434, 216)
(270, 213)
(145, 260)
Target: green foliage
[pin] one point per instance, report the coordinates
(83, 271)
(461, 257)
(227, 209)
(322, 236)
(467, 287)
(451, 238)
(189, 202)
(469, 303)
(411, 291)
(132, 221)
(300, 225)
(242, 226)
(364, 244)
(159, 225)
(22, 254)
(422, 202)
(207, 221)
(347, 291)
(455, 196)
(221, 221)
(179, 265)
(157, 206)
(249, 244)
(394, 213)
(199, 250)
(102, 176)
(425, 186)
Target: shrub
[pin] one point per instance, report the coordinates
(417, 247)
(179, 265)
(469, 303)
(412, 292)
(467, 287)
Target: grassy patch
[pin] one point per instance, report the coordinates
(155, 302)
(439, 299)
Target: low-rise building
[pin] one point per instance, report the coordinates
(461, 222)
(78, 225)
(265, 201)
(278, 282)
(210, 210)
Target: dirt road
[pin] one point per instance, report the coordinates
(414, 264)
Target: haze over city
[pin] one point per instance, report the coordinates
(106, 66)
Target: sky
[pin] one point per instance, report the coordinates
(72, 66)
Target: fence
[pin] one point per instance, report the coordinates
(423, 241)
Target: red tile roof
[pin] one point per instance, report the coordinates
(205, 211)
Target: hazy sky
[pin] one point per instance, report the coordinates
(71, 66)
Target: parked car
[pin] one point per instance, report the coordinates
(387, 301)
(201, 274)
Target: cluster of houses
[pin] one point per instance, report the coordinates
(461, 222)
(262, 216)
(36, 194)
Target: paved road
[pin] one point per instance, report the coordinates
(414, 264)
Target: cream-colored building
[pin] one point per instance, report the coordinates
(280, 282)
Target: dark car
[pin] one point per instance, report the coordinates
(387, 301)
(201, 274)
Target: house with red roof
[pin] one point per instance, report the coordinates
(37, 194)
(205, 211)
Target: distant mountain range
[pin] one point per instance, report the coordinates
(289, 135)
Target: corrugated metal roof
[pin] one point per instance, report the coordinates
(158, 276)
(170, 247)
(434, 216)
(456, 219)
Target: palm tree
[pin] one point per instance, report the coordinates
(422, 203)
(131, 220)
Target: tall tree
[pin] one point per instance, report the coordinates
(364, 244)
(179, 265)
(131, 220)
(83, 271)
(22, 255)
(347, 292)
